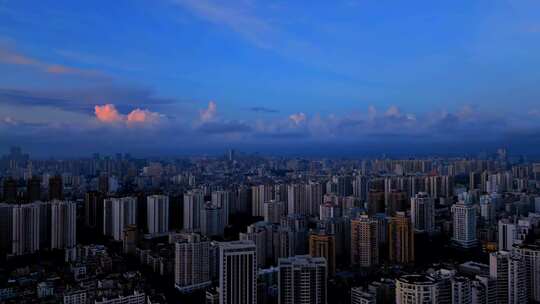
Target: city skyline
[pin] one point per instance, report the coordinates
(269, 152)
(191, 77)
(256, 229)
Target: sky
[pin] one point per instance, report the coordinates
(167, 77)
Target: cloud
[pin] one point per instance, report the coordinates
(142, 116)
(209, 113)
(392, 111)
(298, 118)
(9, 121)
(237, 18)
(263, 110)
(84, 99)
(107, 113)
(9, 56)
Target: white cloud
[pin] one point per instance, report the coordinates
(236, 17)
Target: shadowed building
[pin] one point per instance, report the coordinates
(400, 239)
(324, 245)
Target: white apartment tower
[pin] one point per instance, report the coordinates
(237, 272)
(193, 203)
(63, 224)
(25, 229)
(302, 280)
(464, 215)
(117, 214)
(192, 267)
(157, 213)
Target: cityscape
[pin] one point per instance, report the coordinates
(269, 152)
(247, 228)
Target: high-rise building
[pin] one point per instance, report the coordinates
(267, 285)
(176, 211)
(498, 271)
(344, 185)
(293, 236)
(9, 190)
(488, 209)
(260, 194)
(130, 239)
(461, 290)
(193, 203)
(484, 290)
(423, 213)
(103, 184)
(192, 268)
(302, 280)
(397, 202)
(262, 234)
(297, 202)
(360, 187)
(222, 200)
(359, 296)
(329, 210)
(324, 245)
(314, 197)
(25, 229)
(157, 212)
(517, 280)
(507, 235)
(242, 200)
(64, 224)
(56, 188)
(117, 214)
(280, 193)
(6, 226)
(400, 239)
(364, 242)
(416, 289)
(376, 202)
(273, 210)
(93, 210)
(212, 220)
(384, 289)
(530, 255)
(464, 215)
(33, 189)
(237, 272)
(444, 278)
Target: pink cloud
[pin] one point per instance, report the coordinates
(142, 116)
(8, 56)
(107, 113)
(16, 59)
(209, 113)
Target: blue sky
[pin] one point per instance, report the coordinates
(151, 76)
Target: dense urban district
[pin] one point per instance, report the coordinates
(248, 228)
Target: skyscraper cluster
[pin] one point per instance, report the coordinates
(276, 230)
